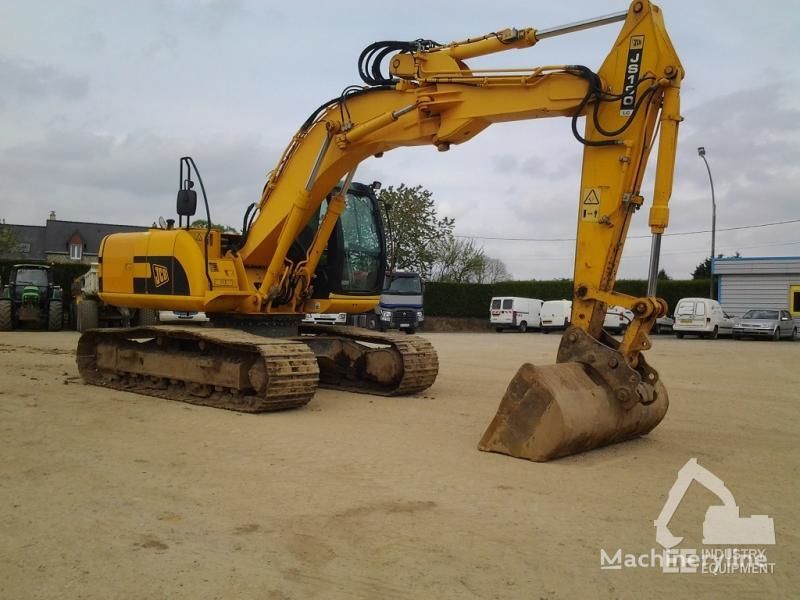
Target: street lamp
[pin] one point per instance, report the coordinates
(701, 151)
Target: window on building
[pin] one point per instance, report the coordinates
(76, 251)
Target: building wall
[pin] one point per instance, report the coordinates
(740, 292)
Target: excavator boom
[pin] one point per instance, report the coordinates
(602, 390)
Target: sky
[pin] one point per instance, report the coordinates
(98, 100)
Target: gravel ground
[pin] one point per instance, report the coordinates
(108, 494)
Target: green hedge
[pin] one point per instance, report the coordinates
(472, 299)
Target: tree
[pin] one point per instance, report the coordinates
(458, 261)
(494, 270)
(662, 276)
(223, 228)
(8, 241)
(703, 270)
(414, 229)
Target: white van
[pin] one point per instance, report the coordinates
(702, 317)
(556, 314)
(617, 319)
(509, 312)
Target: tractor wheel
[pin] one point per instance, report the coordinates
(55, 316)
(146, 317)
(6, 322)
(88, 315)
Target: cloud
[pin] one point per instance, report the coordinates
(126, 178)
(25, 82)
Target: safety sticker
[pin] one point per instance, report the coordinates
(590, 206)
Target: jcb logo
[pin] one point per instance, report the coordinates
(160, 275)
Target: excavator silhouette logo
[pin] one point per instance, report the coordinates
(722, 524)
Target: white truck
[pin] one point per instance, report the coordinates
(511, 312)
(325, 318)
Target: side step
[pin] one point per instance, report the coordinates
(223, 368)
(368, 362)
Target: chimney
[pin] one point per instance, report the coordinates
(52, 216)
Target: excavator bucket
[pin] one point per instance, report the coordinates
(562, 409)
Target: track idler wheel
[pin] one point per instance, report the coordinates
(567, 408)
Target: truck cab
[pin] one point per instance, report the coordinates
(400, 306)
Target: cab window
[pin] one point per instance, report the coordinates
(362, 245)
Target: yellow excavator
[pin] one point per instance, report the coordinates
(314, 243)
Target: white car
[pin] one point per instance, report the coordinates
(701, 317)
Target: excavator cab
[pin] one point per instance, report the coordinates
(354, 260)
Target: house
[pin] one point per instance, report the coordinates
(758, 282)
(59, 241)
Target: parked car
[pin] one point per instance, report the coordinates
(663, 325)
(514, 313)
(766, 323)
(617, 319)
(702, 317)
(555, 314)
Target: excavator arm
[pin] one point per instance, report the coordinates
(433, 98)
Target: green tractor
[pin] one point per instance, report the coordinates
(30, 296)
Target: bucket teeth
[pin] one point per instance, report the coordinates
(558, 410)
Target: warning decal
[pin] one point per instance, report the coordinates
(590, 206)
